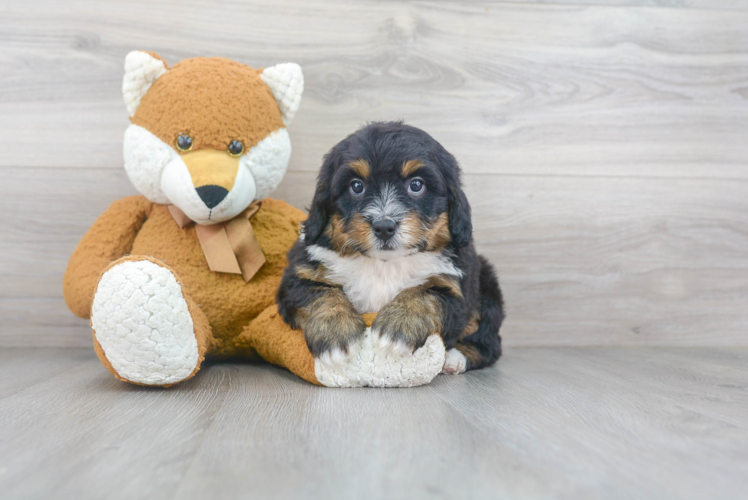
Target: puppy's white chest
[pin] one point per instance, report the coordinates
(370, 283)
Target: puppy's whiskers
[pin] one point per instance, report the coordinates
(345, 246)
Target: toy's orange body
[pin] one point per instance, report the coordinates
(228, 302)
(156, 307)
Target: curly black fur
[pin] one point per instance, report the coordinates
(468, 309)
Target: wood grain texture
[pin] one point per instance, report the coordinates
(22, 368)
(603, 141)
(677, 4)
(645, 423)
(511, 88)
(582, 260)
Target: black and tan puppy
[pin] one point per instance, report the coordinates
(389, 232)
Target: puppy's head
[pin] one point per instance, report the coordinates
(388, 190)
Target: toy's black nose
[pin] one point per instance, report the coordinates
(211, 195)
(384, 229)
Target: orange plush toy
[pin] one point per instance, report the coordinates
(190, 268)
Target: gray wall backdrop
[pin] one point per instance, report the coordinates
(604, 144)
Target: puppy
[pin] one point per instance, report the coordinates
(389, 232)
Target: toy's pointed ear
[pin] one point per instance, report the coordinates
(141, 70)
(286, 82)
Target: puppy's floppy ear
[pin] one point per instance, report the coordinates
(321, 209)
(460, 225)
(458, 207)
(319, 213)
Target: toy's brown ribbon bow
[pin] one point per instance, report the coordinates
(231, 246)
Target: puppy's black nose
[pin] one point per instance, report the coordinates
(211, 195)
(384, 229)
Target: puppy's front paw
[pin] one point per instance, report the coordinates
(329, 333)
(403, 329)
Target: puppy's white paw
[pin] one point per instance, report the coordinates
(455, 362)
(378, 362)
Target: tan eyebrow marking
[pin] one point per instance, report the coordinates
(411, 166)
(360, 167)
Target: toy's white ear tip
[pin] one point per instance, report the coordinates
(141, 70)
(132, 57)
(286, 82)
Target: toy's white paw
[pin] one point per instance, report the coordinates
(455, 362)
(142, 322)
(373, 362)
(388, 346)
(335, 359)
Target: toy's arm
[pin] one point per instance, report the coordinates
(279, 344)
(108, 239)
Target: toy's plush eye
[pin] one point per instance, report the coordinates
(184, 143)
(357, 187)
(236, 148)
(416, 186)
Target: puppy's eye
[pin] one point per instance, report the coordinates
(236, 148)
(416, 186)
(357, 187)
(184, 143)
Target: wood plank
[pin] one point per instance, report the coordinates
(713, 389)
(84, 434)
(41, 321)
(628, 442)
(621, 261)
(582, 260)
(717, 360)
(678, 4)
(544, 422)
(24, 367)
(535, 89)
(283, 438)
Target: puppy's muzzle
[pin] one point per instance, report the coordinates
(384, 229)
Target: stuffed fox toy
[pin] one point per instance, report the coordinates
(190, 269)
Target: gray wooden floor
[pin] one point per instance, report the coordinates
(605, 422)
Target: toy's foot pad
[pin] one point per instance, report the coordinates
(455, 362)
(142, 322)
(370, 363)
